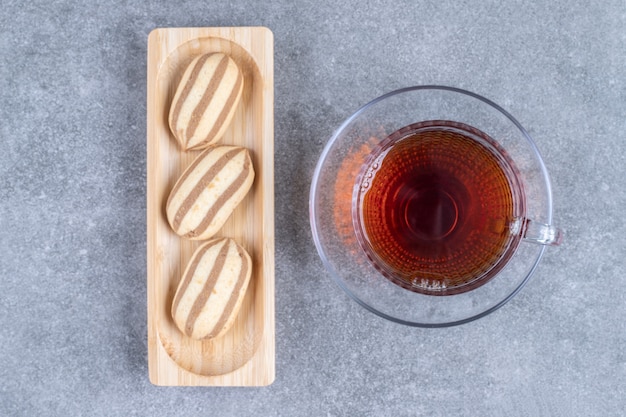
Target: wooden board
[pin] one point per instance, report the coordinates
(245, 355)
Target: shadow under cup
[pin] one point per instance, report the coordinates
(437, 207)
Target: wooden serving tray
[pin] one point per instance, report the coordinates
(245, 355)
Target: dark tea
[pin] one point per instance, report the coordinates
(436, 207)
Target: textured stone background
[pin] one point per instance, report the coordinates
(72, 209)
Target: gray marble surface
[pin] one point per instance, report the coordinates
(73, 202)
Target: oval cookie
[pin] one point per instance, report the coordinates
(205, 100)
(212, 289)
(209, 190)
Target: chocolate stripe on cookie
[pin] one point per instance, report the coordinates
(226, 109)
(189, 274)
(216, 79)
(206, 289)
(221, 200)
(200, 186)
(234, 297)
(193, 77)
(186, 174)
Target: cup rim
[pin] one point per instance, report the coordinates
(315, 184)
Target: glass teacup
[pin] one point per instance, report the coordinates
(431, 206)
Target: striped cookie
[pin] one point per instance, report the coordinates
(212, 289)
(205, 100)
(209, 190)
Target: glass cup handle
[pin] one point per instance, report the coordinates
(541, 233)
